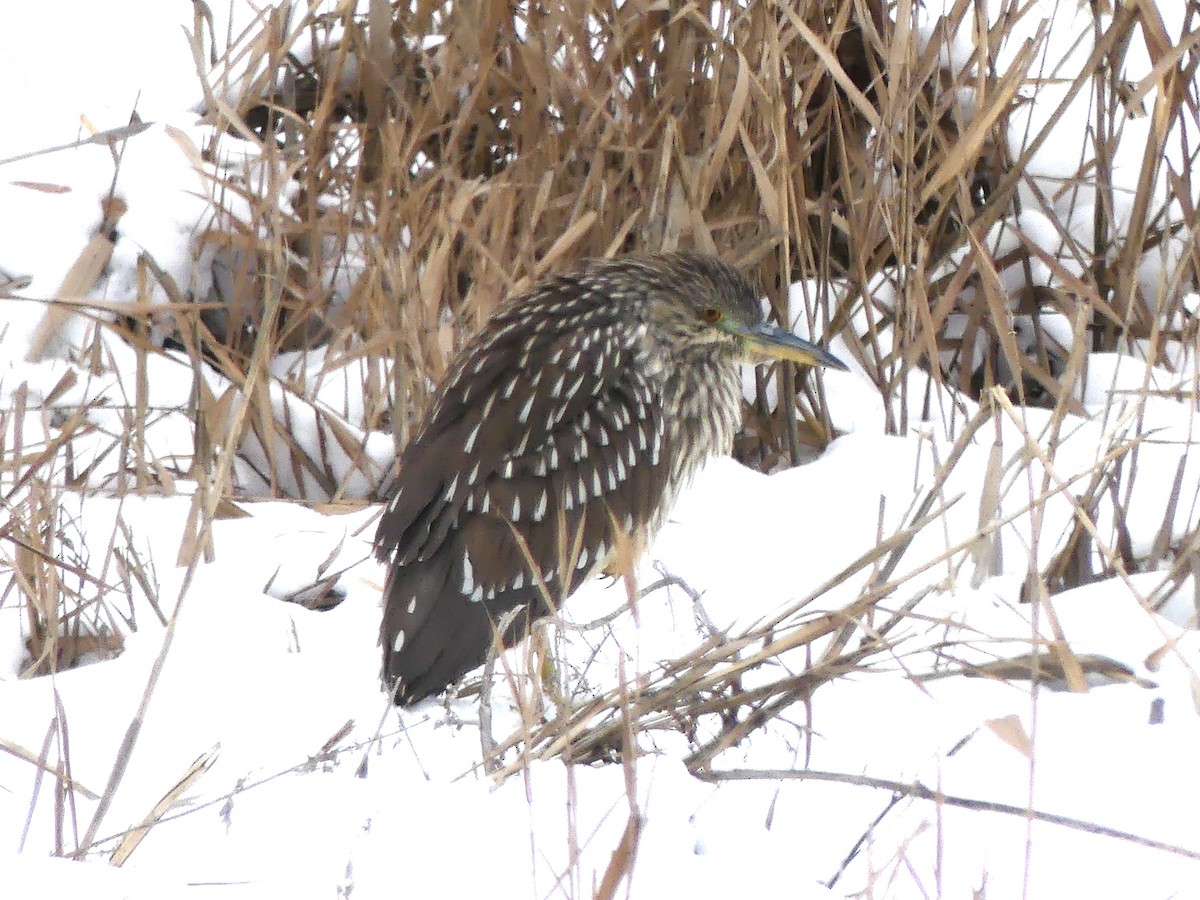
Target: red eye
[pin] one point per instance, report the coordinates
(711, 315)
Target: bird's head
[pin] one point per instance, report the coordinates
(712, 307)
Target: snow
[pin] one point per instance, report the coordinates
(306, 783)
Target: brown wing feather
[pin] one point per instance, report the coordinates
(544, 414)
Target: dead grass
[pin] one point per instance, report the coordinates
(433, 170)
(417, 164)
(421, 162)
(457, 170)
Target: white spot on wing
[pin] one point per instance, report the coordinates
(523, 416)
(470, 444)
(468, 575)
(398, 643)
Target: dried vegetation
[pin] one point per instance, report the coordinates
(416, 163)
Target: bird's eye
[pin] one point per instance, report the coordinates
(711, 315)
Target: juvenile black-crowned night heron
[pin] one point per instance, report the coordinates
(562, 432)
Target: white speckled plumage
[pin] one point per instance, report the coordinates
(580, 410)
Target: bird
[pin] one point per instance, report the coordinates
(566, 426)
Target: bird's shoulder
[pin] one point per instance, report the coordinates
(537, 362)
(561, 354)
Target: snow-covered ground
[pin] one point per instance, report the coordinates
(251, 735)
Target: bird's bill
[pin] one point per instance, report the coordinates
(767, 340)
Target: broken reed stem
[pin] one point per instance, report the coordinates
(919, 791)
